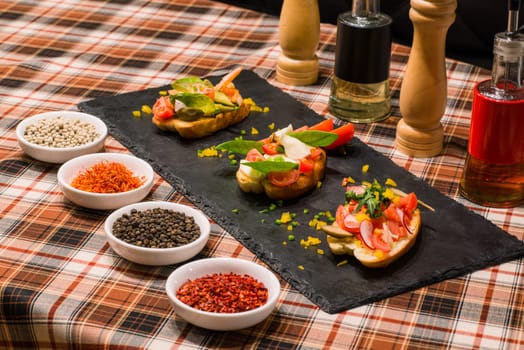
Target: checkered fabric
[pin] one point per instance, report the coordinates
(61, 285)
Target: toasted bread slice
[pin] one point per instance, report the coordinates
(305, 183)
(204, 126)
(341, 245)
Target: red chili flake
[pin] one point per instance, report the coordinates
(223, 293)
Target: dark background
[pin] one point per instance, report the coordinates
(470, 38)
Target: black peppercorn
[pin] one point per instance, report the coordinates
(156, 228)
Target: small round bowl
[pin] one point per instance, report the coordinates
(61, 155)
(222, 321)
(104, 201)
(158, 256)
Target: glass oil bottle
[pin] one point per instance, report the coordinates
(360, 88)
(493, 173)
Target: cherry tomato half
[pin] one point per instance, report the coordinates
(283, 178)
(306, 165)
(163, 108)
(254, 155)
(325, 125)
(345, 134)
(270, 148)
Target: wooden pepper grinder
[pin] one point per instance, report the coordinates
(423, 94)
(299, 35)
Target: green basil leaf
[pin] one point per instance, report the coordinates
(267, 166)
(198, 101)
(240, 146)
(315, 138)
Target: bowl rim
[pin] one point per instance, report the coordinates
(270, 303)
(204, 231)
(149, 173)
(95, 121)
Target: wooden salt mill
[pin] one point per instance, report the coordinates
(423, 94)
(299, 35)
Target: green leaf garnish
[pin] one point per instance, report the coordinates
(197, 101)
(315, 138)
(240, 146)
(267, 166)
(372, 197)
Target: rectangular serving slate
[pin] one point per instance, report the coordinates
(453, 241)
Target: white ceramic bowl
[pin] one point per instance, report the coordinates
(104, 201)
(158, 256)
(61, 155)
(222, 321)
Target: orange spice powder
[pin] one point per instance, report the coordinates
(107, 177)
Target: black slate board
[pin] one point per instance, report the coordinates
(453, 241)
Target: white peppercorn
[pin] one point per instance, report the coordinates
(61, 133)
(156, 228)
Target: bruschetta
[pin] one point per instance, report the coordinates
(196, 108)
(289, 163)
(375, 225)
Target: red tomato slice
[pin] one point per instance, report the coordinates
(346, 220)
(408, 203)
(340, 214)
(270, 148)
(396, 228)
(306, 165)
(283, 178)
(254, 155)
(163, 108)
(379, 241)
(325, 125)
(391, 213)
(345, 133)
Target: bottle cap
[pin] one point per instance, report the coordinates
(363, 48)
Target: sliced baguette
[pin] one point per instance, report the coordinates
(341, 244)
(203, 126)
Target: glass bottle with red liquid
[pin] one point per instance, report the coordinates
(494, 169)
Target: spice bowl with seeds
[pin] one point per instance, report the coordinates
(223, 294)
(157, 233)
(56, 137)
(105, 181)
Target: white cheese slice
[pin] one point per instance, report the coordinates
(294, 148)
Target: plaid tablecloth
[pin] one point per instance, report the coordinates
(61, 286)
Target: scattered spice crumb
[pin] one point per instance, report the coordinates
(390, 182)
(208, 152)
(310, 241)
(146, 109)
(342, 263)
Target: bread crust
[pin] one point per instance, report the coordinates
(204, 126)
(340, 245)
